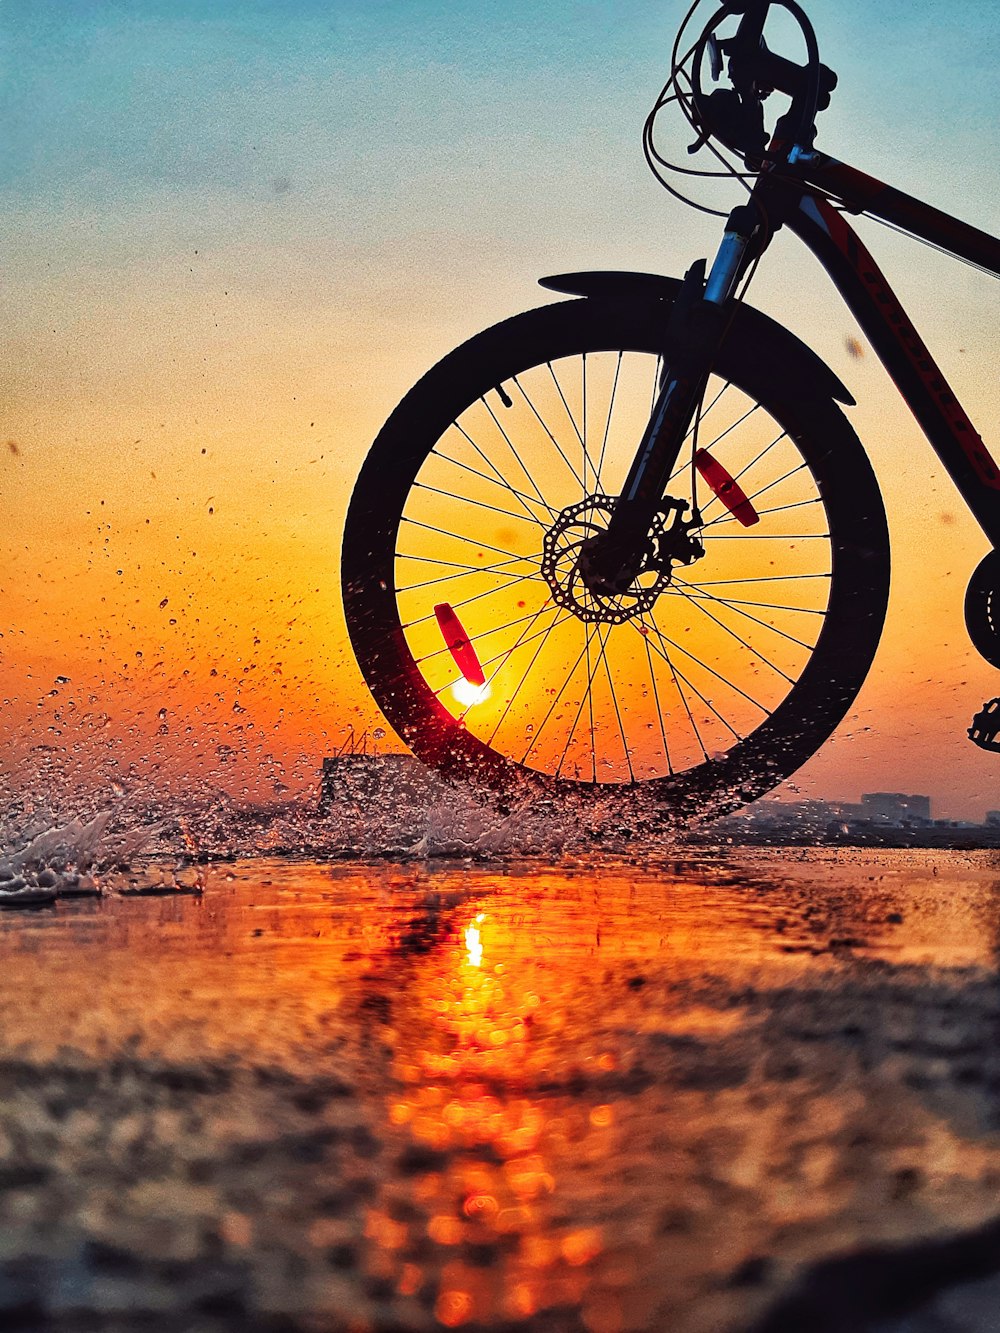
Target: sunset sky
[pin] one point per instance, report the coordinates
(235, 233)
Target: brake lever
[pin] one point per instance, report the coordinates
(714, 58)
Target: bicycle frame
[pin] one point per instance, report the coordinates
(800, 197)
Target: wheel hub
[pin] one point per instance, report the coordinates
(581, 583)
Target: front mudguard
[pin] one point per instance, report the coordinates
(758, 329)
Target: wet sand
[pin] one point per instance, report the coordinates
(749, 1091)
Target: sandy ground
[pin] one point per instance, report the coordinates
(737, 1092)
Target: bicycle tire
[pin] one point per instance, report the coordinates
(756, 366)
(982, 608)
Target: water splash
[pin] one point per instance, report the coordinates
(48, 859)
(130, 839)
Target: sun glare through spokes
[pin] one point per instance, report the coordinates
(468, 694)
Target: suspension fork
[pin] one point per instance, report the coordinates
(698, 323)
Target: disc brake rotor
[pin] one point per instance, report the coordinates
(564, 554)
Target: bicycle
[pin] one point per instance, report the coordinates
(630, 542)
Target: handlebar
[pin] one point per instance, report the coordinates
(768, 70)
(736, 116)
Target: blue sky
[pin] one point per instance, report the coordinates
(106, 99)
(518, 124)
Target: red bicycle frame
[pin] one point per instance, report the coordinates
(811, 198)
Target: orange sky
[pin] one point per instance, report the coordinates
(199, 356)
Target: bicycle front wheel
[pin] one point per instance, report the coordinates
(711, 680)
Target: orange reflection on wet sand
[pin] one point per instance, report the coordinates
(494, 1094)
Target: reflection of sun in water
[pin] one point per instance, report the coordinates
(474, 943)
(468, 694)
(467, 1058)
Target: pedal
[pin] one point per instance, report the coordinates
(985, 729)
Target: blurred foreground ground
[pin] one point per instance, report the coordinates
(757, 1091)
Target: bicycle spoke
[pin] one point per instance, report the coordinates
(522, 639)
(656, 703)
(614, 700)
(725, 389)
(572, 420)
(607, 424)
(562, 399)
(583, 442)
(593, 666)
(524, 677)
(591, 672)
(764, 624)
(483, 634)
(760, 578)
(499, 480)
(676, 671)
(753, 463)
(665, 638)
(679, 588)
(698, 589)
(753, 651)
(480, 504)
(558, 446)
(455, 564)
(761, 513)
(766, 537)
(489, 592)
(587, 631)
(674, 674)
(517, 456)
(503, 656)
(466, 570)
(763, 489)
(536, 736)
(469, 541)
(712, 443)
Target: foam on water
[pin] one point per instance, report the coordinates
(126, 841)
(47, 859)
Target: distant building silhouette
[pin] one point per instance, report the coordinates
(893, 807)
(880, 819)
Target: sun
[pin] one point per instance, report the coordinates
(468, 694)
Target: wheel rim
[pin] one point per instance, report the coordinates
(675, 686)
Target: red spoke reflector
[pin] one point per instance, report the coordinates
(459, 644)
(725, 488)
